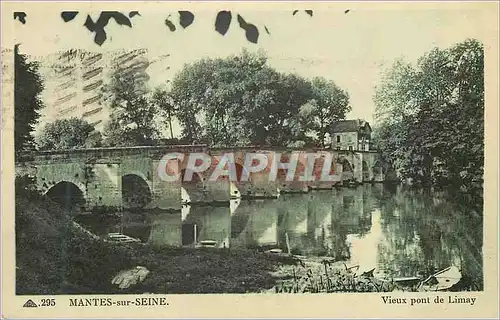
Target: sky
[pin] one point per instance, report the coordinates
(352, 49)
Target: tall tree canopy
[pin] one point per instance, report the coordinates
(132, 118)
(330, 103)
(69, 133)
(27, 101)
(431, 116)
(240, 100)
(164, 102)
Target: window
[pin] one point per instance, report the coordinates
(338, 138)
(338, 148)
(350, 148)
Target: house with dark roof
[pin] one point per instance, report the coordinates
(354, 135)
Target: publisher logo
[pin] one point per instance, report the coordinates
(30, 304)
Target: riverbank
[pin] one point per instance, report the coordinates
(54, 256)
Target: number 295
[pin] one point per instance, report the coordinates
(48, 302)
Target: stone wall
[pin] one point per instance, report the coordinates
(347, 139)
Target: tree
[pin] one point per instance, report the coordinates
(329, 104)
(431, 117)
(27, 102)
(70, 133)
(164, 102)
(131, 122)
(465, 151)
(214, 95)
(284, 126)
(240, 100)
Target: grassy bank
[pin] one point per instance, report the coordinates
(320, 275)
(53, 256)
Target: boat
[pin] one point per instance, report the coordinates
(207, 244)
(407, 281)
(276, 250)
(120, 238)
(441, 280)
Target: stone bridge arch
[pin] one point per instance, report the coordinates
(324, 161)
(378, 170)
(366, 171)
(295, 185)
(193, 188)
(223, 189)
(256, 184)
(68, 194)
(347, 170)
(136, 191)
(144, 176)
(235, 186)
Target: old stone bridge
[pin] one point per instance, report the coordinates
(128, 177)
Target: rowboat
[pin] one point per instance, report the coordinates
(207, 244)
(407, 281)
(441, 280)
(120, 238)
(275, 250)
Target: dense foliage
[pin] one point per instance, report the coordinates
(27, 101)
(240, 100)
(163, 101)
(133, 113)
(68, 134)
(431, 117)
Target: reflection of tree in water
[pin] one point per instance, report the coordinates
(339, 242)
(319, 224)
(407, 250)
(424, 235)
(462, 236)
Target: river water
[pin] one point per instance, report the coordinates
(396, 231)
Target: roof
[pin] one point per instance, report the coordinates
(349, 125)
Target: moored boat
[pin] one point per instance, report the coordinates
(207, 244)
(441, 280)
(120, 238)
(407, 281)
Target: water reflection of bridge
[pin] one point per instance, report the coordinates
(316, 223)
(398, 232)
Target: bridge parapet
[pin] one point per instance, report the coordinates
(164, 149)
